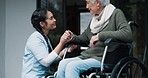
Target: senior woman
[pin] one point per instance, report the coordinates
(107, 22)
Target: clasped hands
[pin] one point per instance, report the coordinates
(68, 35)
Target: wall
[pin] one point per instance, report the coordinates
(18, 29)
(2, 39)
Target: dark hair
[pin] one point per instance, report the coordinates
(40, 15)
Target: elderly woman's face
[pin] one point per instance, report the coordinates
(93, 7)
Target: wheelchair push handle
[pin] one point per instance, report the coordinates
(133, 23)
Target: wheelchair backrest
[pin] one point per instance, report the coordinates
(122, 50)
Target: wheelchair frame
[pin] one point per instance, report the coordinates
(127, 67)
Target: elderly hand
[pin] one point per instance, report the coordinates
(93, 40)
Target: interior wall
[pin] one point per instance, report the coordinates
(2, 39)
(18, 28)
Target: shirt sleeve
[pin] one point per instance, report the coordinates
(50, 59)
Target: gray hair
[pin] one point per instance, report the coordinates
(103, 2)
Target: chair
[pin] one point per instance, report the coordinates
(118, 64)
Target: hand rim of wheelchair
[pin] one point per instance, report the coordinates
(126, 61)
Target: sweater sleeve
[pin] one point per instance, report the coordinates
(82, 39)
(122, 29)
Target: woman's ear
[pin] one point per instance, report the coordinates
(42, 24)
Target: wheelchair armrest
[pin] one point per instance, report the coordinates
(107, 41)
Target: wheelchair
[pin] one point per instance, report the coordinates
(118, 64)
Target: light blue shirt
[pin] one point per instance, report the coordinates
(35, 50)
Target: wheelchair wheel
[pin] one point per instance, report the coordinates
(129, 67)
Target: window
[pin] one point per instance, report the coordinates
(85, 18)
